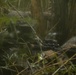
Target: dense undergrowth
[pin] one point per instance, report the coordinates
(19, 57)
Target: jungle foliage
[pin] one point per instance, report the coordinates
(35, 37)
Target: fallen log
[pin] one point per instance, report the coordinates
(70, 48)
(11, 13)
(69, 44)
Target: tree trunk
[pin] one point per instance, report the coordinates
(38, 15)
(72, 19)
(65, 10)
(61, 15)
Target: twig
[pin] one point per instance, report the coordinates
(63, 64)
